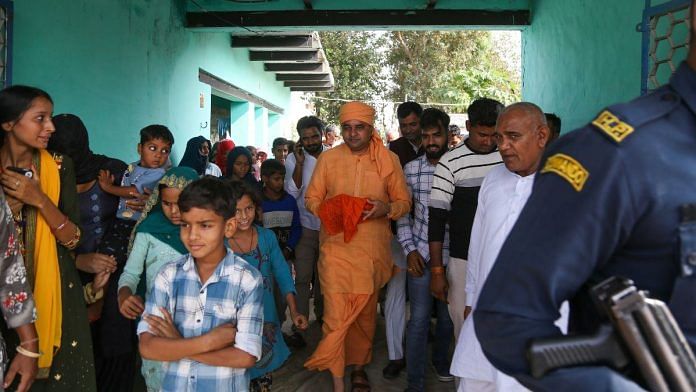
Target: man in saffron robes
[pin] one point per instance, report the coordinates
(352, 273)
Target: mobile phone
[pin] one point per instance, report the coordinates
(25, 172)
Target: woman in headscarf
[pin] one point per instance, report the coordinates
(196, 157)
(155, 241)
(45, 208)
(239, 166)
(97, 213)
(97, 208)
(224, 148)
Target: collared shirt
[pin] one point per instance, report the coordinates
(233, 294)
(412, 231)
(363, 265)
(405, 150)
(307, 219)
(502, 196)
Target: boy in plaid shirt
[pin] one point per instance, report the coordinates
(204, 315)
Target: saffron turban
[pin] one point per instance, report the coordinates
(357, 111)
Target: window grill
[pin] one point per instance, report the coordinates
(666, 32)
(5, 43)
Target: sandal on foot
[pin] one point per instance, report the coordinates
(359, 381)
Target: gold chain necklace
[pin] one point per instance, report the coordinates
(251, 242)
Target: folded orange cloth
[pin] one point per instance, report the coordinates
(342, 213)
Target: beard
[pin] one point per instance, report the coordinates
(435, 154)
(312, 149)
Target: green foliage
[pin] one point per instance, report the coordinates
(356, 63)
(451, 67)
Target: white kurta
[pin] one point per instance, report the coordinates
(502, 196)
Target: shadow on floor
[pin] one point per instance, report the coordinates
(294, 377)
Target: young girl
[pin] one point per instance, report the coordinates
(239, 166)
(259, 247)
(155, 242)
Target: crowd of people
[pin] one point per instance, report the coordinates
(119, 259)
(185, 274)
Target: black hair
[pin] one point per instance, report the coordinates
(280, 141)
(213, 151)
(554, 123)
(406, 108)
(241, 189)
(16, 100)
(484, 111)
(156, 131)
(270, 167)
(309, 122)
(433, 117)
(210, 193)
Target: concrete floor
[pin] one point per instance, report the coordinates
(294, 377)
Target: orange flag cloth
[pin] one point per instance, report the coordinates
(342, 213)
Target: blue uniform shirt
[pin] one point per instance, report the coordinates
(606, 202)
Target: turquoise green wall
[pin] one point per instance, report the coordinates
(579, 56)
(242, 118)
(121, 65)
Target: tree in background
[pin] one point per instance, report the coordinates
(386, 68)
(357, 63)
(451, 67)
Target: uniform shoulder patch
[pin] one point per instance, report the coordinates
(616, 129)
(568, 168)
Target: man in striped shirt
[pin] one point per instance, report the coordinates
(453, 200)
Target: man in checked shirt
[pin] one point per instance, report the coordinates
(412, 233)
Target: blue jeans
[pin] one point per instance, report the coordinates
(417, 331)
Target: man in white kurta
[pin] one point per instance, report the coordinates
(521, 133)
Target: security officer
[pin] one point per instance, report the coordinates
(615, 198)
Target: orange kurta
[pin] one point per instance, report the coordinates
(363, 265)
(352, 273)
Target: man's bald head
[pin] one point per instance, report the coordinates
(522, 133)
(529, 109)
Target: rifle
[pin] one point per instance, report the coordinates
(640, 331)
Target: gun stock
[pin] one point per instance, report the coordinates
(601, 348)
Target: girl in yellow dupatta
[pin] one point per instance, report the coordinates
(37, 183)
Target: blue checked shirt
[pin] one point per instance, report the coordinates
(412, 231)
(233, 294)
